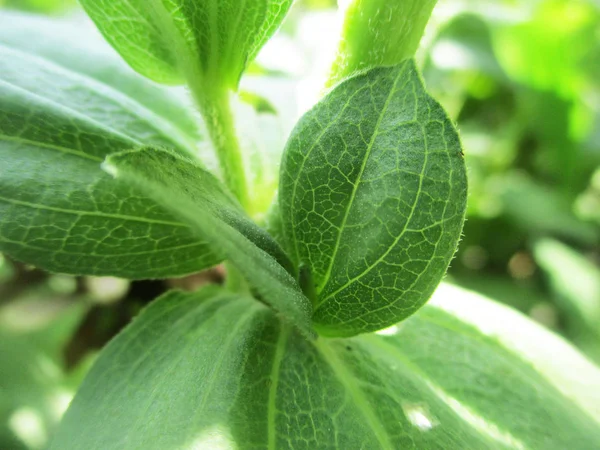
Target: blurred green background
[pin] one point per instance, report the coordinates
(522, 80)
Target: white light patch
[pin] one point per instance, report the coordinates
(60, 402)
(109, 169)
(478, 422)
(343, 5)
(449, 55)
(106, 290)
(419, 416)
(282, 54)
(28, 426)
(554, 358)
(390, 331)
(214, 438)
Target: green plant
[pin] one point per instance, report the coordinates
(302, 347)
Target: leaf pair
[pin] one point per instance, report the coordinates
(214, 369)
(171, 41)
(61, 212)
(204, 44)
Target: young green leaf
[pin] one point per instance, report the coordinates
(373, 196)
(194, 196)
(58, 209)
(171, 41)
(213, 369)
(379, 33)
(206, 44)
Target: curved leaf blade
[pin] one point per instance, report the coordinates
(200, 336)
(194, 196)
(213, 369)
(79, 49)
(373, 197)
(168, 40)
(58, 209)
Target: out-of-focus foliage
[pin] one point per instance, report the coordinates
(38, 315)
(522, 79)
(45, 6)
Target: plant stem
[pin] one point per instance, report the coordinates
(213, 100)
(379, 33)
(221, 127)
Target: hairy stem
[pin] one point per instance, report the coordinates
(379, 33)
(221, 127)
(213, 101)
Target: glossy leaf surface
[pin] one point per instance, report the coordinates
(217, 370)
(373, 195)
(171, 40)
(58, 209)
(194, 196)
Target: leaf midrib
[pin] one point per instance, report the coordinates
(305, 158)
(95, 254)
(233, 335)
(363, 405)
(374, 136)
(66, 150)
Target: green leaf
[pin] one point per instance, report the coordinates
(373, 196)
(216, 370)
(173, 40)
(78, 48)
(205, 44)
(195, 197)
(379, 33)
(58, 209)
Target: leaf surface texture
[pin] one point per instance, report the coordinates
(169, 40)
(194, 196)
(217, 370)
(373, 196)
(58, 121)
